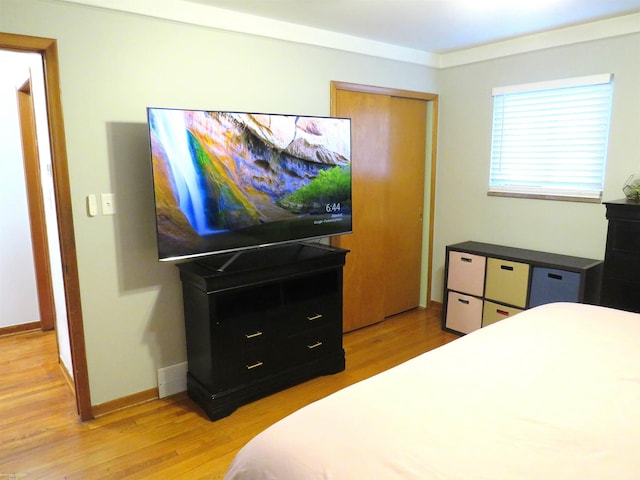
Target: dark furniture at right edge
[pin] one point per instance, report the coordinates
(621, 274)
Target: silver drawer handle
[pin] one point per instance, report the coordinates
(315, 345)
(255, 365)
(314, 317)
(253, 335)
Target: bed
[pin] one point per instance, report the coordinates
(551, 393)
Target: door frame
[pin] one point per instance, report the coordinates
(432, 100)
(48, 50)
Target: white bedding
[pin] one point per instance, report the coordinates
(551, 393)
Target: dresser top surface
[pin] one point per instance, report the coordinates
(623, 210)
(623, 201)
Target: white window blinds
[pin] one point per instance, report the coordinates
(550, 138)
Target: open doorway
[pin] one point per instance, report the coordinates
(18, 285)
(29, 257)
(32, 285)
(69, 323)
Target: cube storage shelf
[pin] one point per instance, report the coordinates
(260, 322)
(485, 283)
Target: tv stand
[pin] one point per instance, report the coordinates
(260, 322)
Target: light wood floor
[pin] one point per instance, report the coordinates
(42, 438)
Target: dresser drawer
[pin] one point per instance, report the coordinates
(624, 237)
(312, 314)
(622, 266)
(245, 332)
(313, 345)
(550, 285)
(464, 312)
(494, 312)
(466, 273)
(245, 367)
(507, 282)
(621, 294)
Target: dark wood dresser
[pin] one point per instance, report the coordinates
(621, 275)
(260, 322)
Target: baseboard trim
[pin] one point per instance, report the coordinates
(124, 402)
(67, 376)
(23, 327)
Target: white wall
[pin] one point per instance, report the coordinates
(463, 209)
(18, 291)
(114, 65)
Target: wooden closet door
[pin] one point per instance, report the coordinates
(404, 204)
(382, 273)
(364, 291)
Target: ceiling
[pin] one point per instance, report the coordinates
(435, 26)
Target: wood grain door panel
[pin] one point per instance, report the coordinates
(383, 269)
(404, 204)
(363, 291)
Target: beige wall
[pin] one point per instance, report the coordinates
(114, 65)
(465, 212)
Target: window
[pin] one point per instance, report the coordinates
(550, 139)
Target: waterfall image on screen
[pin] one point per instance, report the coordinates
(225, 181)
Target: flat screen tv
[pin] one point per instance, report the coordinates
(229, 181)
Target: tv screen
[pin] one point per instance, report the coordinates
(227, 181)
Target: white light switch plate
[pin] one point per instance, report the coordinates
(108, 207)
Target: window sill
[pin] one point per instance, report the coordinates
(544, 196)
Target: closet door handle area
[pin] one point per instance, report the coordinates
(314, 317)
(315, 345)
(252, 335)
